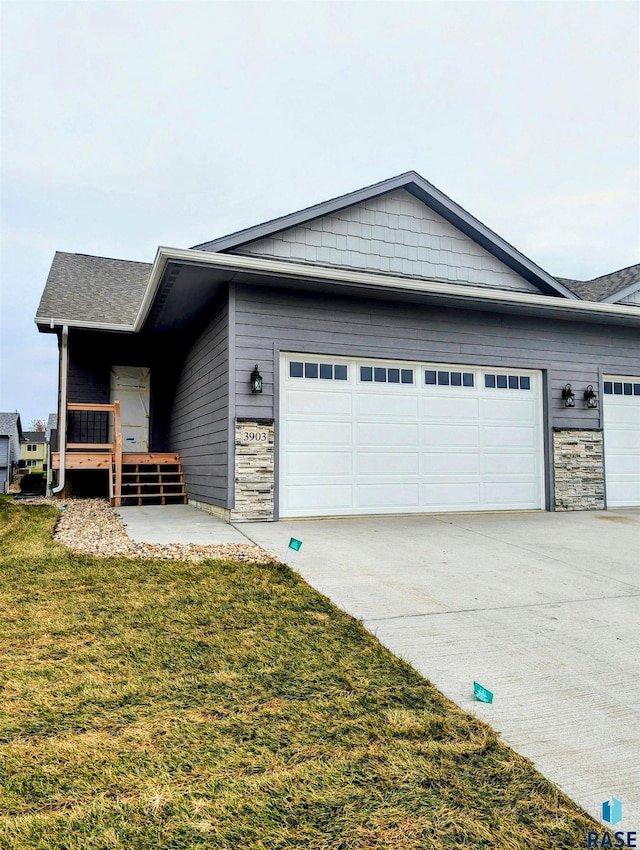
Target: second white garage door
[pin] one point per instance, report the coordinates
(374, 437)
(621, 409)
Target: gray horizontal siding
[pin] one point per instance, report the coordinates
(199, 418)
(268, 320)
(4, 451)
(88, 381)
(4, 462)
(91, 356)
(90, 361)
(394, 233)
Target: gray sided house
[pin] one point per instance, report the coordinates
(10, 438)
(383, 352)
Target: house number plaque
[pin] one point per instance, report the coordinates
(254, 435)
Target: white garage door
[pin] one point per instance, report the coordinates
(370, 437)
(621, 417)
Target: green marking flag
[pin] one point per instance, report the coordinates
(295, 544)
(482, 694)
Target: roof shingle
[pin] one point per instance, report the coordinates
(34, 436)
(10, 424)
(607, 284)
(83, 288)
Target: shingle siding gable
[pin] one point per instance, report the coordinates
(633, 298)
(394, 234)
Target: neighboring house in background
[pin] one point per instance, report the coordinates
(33, 449)
(621, 287)
(10, 440)
(51, 444)
(382, 352)
(50, 432)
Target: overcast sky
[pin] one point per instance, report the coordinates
(128, 125)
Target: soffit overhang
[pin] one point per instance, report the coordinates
(183, 283)
(199, 276)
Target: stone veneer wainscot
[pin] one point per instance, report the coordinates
(578, 469)
(254, 473)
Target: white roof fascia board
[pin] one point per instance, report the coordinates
(422, 190)
(286, 269)
(163, 255)
(53, 323)
(618, 296)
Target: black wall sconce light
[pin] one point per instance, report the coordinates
(590, 397)
(256, 381)
(568, 396)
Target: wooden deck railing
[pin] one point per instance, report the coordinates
(99, 455)
(111, 457)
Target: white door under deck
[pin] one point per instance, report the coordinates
(130, 386)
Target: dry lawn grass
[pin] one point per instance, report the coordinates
(150, 705)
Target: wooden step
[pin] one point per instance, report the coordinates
(152, 483)
(149, 494)
(139, 499)
(162, 458)
(148, 474)
(151, 478)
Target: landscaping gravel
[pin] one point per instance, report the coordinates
(93, 526)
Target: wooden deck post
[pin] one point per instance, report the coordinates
(117, 447)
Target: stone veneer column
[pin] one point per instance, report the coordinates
(578, 469)
(254, 471)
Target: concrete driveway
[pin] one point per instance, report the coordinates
(540, 608)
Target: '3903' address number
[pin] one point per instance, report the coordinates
(254, 435)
